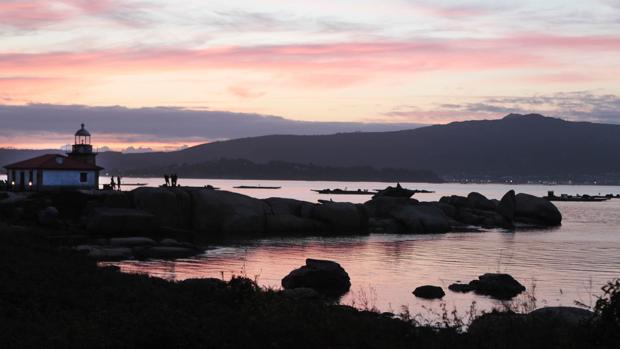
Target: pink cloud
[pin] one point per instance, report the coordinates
(33, 14)
(244, 92)
(30, 14)
(335, 65)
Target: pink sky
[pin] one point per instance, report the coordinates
(357, 61)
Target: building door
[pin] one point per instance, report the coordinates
(22, 178)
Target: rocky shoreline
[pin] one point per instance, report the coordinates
(159, 218)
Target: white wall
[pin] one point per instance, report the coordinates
(26, 177)
(68, 178)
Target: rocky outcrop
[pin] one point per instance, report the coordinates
(284, 206)
(422, 219)
(325, 277)
(429, 292)
(120, 221)
(227, 213)
(341, 217)
(531, 209)
(172, 207)
(290, 224)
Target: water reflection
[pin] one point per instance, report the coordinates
(566, 264)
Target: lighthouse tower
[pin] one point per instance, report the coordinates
(82, 150)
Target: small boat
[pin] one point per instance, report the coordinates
(255, 187)
(398, 192)
(135, 184)
(344, 191)
(576, 198)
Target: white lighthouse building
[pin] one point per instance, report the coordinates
(77, 170)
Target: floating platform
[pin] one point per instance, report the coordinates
(255, 187)
(344, 191)
(577, 198)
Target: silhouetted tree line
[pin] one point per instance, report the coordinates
(245, 169)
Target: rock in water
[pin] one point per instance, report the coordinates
(429, 292)
(325, 277)
(534, 210)
(499, 286)
(506, 207)
(461, 288)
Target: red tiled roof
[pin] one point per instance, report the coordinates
(48, 162)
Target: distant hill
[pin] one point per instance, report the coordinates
(517, 145)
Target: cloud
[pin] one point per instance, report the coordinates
(244, 92)
(576, 106)
(346, 63)
(174, 127)
(37, 14)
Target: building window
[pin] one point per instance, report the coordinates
(83, 177)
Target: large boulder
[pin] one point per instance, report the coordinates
(422, 218)
(429, 292)
(507, 204)
(480, 202)
(227, 213)
(341, 217)
(119, 221)
(499, 286)
(325, 277)
(567, 315)
(172, 207)
(531, 209)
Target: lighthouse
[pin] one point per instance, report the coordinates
(82, 150)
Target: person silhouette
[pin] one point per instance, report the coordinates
(167, 179)
(112, 183)
(118, 182)
(174, 180)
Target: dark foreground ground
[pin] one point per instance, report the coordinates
(54, 298)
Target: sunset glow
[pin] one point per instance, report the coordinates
(358, 61)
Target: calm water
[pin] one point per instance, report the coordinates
(566, 264)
